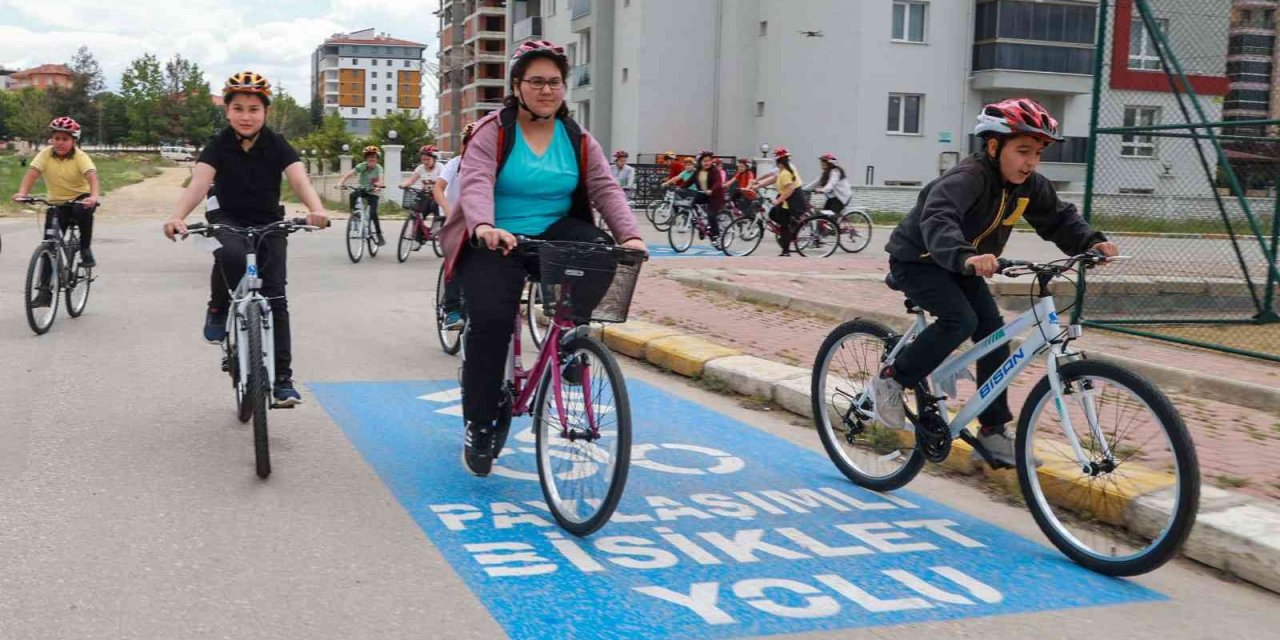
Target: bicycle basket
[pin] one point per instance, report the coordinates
(412, 199)
(590, 282)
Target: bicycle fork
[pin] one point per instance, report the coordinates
(1086, 396)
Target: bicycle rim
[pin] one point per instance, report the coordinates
(537, 322)
(583, 470)
(817, 237)
(355, 243)
(436, 226)
(40, 319)
(855, 231)
(662, 216)
(742, 237)
(450, 339)
(868, 453)
(407, 242)
(258, 390)
(1091, 515)
(680, 233)
(78, 288)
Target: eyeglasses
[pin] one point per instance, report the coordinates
(539, 84)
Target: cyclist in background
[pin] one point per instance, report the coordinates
(370, 174)
(247, 159)
(790, 203)
(945, 247)
(675, 166)
(708, 180)
(69, 174)
(624, 173)
(424, 177)
(833, 183)
(447, 189)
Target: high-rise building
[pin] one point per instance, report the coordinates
(472, 64)
(1251, 64)
(366, 75)
(892, 87)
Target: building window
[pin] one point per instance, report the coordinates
(625, 73)
(1251, 44)
(355, 61)
(908, 21)
(759, 108)
(389, 63)
(904, 113)
(375, 74)
(1139, 145)
(764, 28)
(406, 64)
(1044, 21)
(375, 111)
(1032, 57)
(354, 111)
(1142, 47)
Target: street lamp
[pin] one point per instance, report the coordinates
(764, 149)
(392, 134)
(346, 147)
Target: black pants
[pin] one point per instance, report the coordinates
(493, 283)
(370, 201)
(68, 214)
(786, 229)
(834, 205)
(228, 267)
(965, 310)
(713, 214)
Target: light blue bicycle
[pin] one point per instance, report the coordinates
(1091, 434)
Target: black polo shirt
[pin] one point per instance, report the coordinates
(247, 183)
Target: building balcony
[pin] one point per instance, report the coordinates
(579, 9)
(483, 106)
(526, 29)
(1031, 81)
(580, 76)
(484, 82)
(492, 8)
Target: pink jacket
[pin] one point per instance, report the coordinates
(475, 204)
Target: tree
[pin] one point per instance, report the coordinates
(411, 131)
(288, 118)
(328, 139)
(317, 113)
(6, 109)
(31, 115)
(87, 72)
(114, 128)
(143, 87)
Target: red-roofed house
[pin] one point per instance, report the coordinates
(42, 77)
(366, 75)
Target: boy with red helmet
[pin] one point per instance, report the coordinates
(941, 252)
(69, 176)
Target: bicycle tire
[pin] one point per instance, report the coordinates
(855, 231)
(77, 289)
(231, 350)
(355, 242)
(1186, 469)
(436, 225)
(533, 316)
(371, 240)
(680, 223)
(662, 216)
(742, 238)
(405, 245)
(882, 442)
(36, 319)
(822, 239)
(450, 339)
(617, 473)
(258, 388)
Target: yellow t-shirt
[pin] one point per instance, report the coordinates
(65, 178)
(786, 178)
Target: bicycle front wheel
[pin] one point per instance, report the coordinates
(662, 215)
(1134, 442)
(41, 295)
(680, 233)
(371, 239)
(817, 235)
(868, 453)
(742, 237)
(81, 278)
(855, 231)
(583, 432)
(355, 238)
(450, 338)
(408, 240)
(258, 388)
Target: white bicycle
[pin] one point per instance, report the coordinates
(1091, 433)
(359, 231)
(248, 351)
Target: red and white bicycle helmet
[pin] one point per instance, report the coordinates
(828, 157)
(428, 150)
(621, 153)
(546, 46)
(1022, 116)
(66, 125)
(781, 153)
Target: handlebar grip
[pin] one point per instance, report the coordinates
(196, 226)
(298, 221)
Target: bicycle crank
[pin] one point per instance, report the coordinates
(933, 435)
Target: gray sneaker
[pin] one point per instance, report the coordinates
(1001, 447)
(888, 401)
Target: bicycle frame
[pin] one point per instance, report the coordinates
(1041, 321)
(525, 382)
(247, 293)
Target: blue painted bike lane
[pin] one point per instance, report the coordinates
(724, 531)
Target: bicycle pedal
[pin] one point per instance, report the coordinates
(282, 406)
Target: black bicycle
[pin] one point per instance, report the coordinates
(55, 269)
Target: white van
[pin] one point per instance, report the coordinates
(177, 153)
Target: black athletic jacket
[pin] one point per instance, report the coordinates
(970, 210)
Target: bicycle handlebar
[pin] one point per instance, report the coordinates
(1089, 259)
(35, 200)
(285, 226)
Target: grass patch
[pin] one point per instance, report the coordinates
(386, 208)
(115, 170)
(1230, 481)
(715, 386)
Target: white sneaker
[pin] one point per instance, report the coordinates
(1000, 445)
(888, 402)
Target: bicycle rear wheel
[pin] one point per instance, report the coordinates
(44, 260)
(855, 231)
(817, 235)
(868, 453)
(680, 233)
(355, 238)
(742, 237)
(583, 461)
(1140, 445)
(450, 339)
(662, 215)
(408, 239)
(371, 239)
(258, 388)
(81, 278)
(535, 319)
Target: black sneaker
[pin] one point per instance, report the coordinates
(573, 373)
(215, 326)
(43, 299)
(477, 449)
(86, 258)
(285, 395)
(380, 240)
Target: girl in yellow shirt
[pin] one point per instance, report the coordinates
(71, 177)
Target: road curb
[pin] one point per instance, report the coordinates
(1235, 533)
(1237, 392)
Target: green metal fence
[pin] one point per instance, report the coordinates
(1190, 196)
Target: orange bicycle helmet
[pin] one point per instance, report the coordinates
(247, 82)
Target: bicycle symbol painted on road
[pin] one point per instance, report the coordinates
(518, 460)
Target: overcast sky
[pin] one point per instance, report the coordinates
(274, 38)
